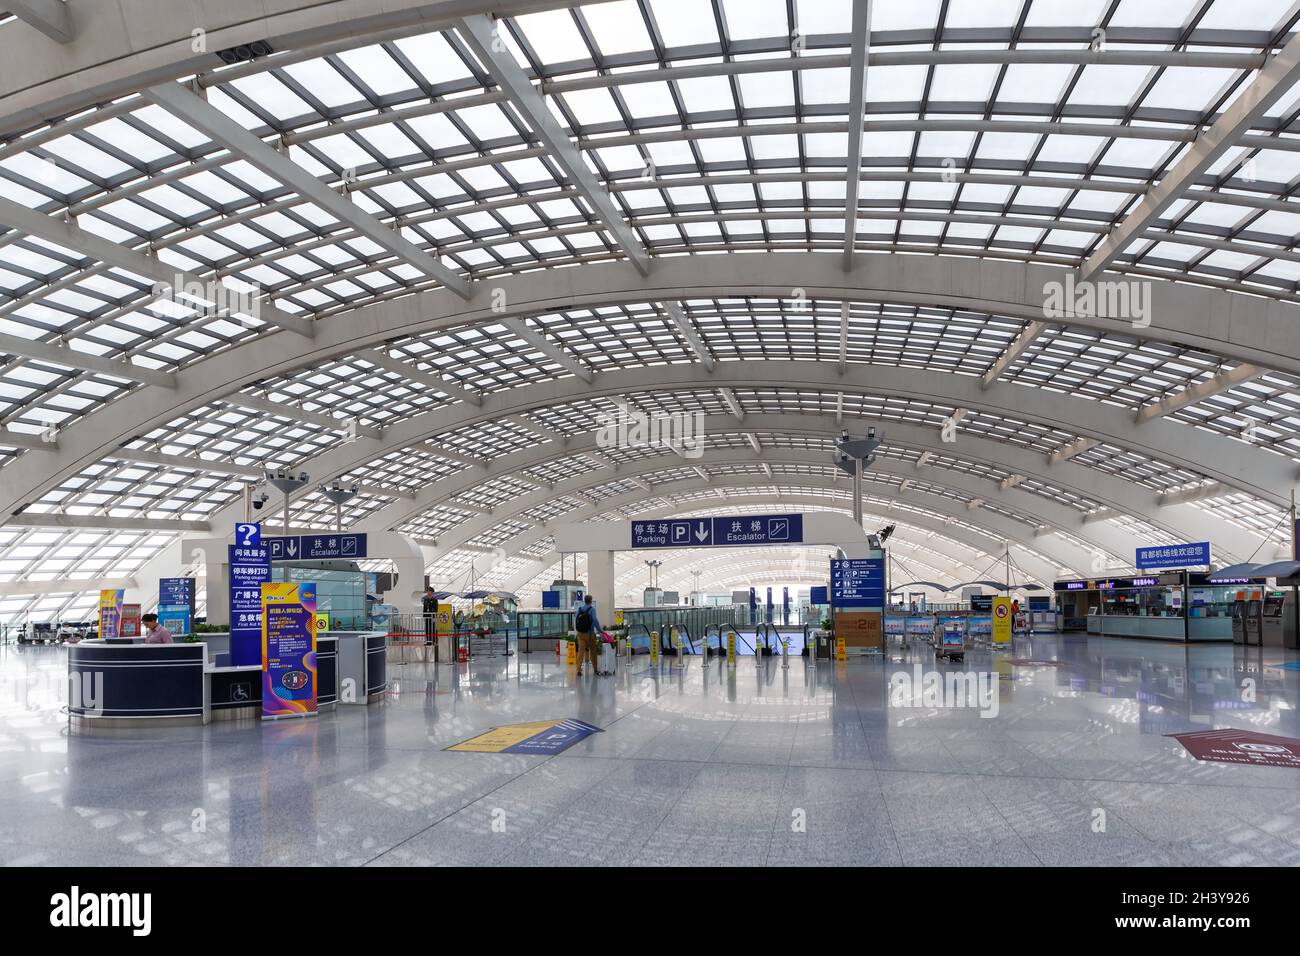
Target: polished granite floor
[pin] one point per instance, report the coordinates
(764, 766)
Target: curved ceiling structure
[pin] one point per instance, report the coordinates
(1046, 249)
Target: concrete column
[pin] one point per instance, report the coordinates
(218, 590)
(600, 584)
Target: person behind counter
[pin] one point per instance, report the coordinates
(155, 632)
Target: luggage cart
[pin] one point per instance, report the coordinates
(950, 641)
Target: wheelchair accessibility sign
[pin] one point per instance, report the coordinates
(543, 737)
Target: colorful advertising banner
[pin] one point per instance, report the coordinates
(110, 613)
(288, 650)
(250, 568)
(176, 605)
(1002, 620)
(130, 621)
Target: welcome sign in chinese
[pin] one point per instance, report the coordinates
(1174, 556)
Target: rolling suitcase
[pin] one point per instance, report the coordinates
(607, 661)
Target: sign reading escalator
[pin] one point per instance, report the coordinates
(730, 531)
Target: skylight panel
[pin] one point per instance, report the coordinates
(379, 71)
(1051, 13)
(759, 90)
(554, 36)
(648, 100)
(755, 19)
(680, 24)
(272, 96)
(1109, 85)
(1153, 13)
(617, 27)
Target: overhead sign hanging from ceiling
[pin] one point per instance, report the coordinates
(1174, 556)
(731, 531)
(315, 547)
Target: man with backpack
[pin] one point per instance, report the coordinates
(587, 626)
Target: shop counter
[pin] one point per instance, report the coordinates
(123, 682)
(1161, 628)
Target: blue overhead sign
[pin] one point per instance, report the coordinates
(858, 582)
(248, 535)
(1174, 556)
(315, 547)
(734, 531)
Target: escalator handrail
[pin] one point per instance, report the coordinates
(739, 637)
(631, 628)
(690, 641)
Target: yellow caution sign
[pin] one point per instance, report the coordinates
(1002, 620)
(322, 622)
(618, 618)
(654, 647)
(841, 650)
(443, 622)
(731, 648)
(573, 652)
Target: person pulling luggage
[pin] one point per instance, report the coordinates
(587, 626)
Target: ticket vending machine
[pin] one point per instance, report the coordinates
(1255, 619)
(1272, 617)
(1239, 620)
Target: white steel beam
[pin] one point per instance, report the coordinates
(187, 463)
(548, 348)
(844, 342)
(1077, 447)
(480, 33)
(222, 130)
(456, 456)
(102, 523)
(77, 240)
(689, 333)
(860, 45)
(733, 404)
(1013, 351)
(85, 361)
(294, 413)
(51, 17)
(420, 377)
(1245, 372)
(1273, 82)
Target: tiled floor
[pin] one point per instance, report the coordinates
(695, 766)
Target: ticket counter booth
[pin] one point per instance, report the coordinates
(1169, 606)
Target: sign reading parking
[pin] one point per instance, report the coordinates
(733, 531)
(315, 547)
(858, 582)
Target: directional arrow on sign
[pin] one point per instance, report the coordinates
(701, 532)
(291, 548)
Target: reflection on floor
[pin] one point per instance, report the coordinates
(696, 766)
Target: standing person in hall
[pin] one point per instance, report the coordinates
(155, 633)
(587, 626)
(429, 604)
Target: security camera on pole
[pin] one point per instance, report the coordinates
(287, 482)
(851, 456)
(340, 494)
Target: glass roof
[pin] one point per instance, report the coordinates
(1013, 130)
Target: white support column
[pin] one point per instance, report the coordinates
(600, 584)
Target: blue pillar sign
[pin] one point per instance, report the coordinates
(858, 583)
(250, 568)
